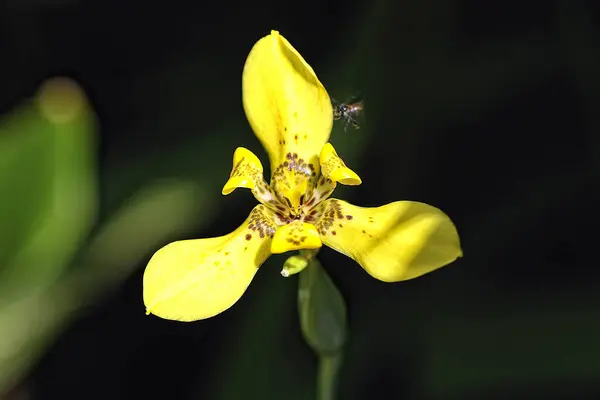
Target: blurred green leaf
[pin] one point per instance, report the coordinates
(155, 214)
(51, 158)
(25, 178)
(322, 310)
(48, 178)
(28, 325)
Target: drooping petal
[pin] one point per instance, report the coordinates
(190, 280)
(287, 106)
(247, 172)
(296, 235)
(396, 242)
(333, 167)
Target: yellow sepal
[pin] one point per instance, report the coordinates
(396, 242)
(196, 279)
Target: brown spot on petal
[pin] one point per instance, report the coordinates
(329, 215)
(261, 221)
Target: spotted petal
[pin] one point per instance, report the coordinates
(296, 235)
(190, 280)
(334, 168)
(285, 103)
(247, 172)
(396, 242)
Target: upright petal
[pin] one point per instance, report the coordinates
(247, 172)
(334, 168)
(396, 242)
(287, 106)
(190, 280)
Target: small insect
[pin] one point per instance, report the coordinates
(347, 111)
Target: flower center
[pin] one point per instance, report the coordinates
(299, 189)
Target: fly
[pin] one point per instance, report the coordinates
(348, 111)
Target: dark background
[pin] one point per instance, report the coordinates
(485, 109)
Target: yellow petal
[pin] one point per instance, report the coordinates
(196, 279)
(333, 167)
(396, 242)
(285, 103)
(247, 172)
(296, 235)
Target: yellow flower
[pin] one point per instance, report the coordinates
(290, 112)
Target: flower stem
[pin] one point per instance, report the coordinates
(329, 366)
(322, 312)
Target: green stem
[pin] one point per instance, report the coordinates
(327, 376)
(322, 313)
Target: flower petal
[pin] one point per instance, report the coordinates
(296, 235)
(247, 172)
(285, 103)
(333, 167)
(196, 279)
(396, 242)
